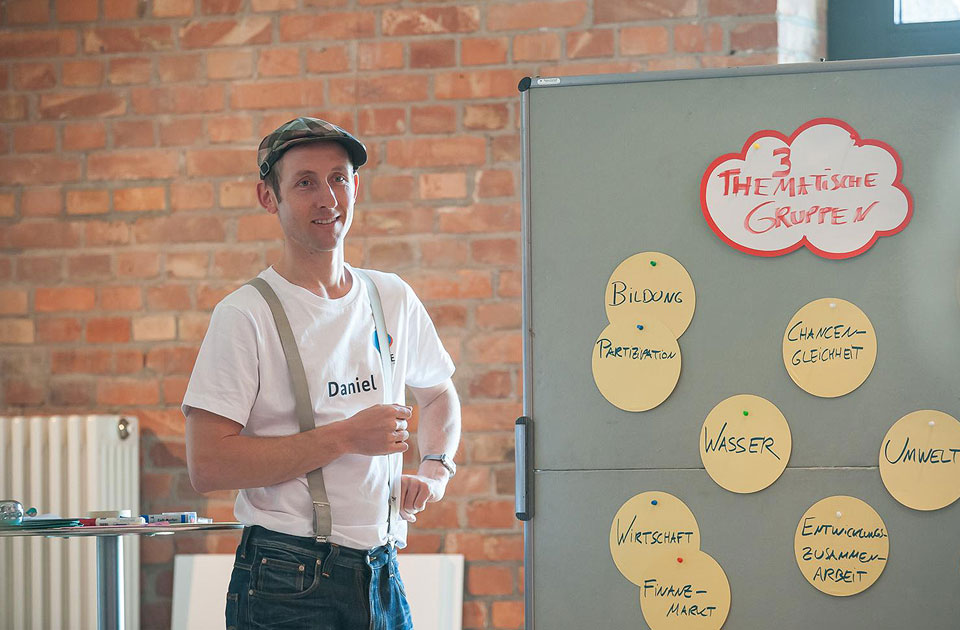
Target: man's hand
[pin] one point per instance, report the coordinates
(416, 491)
(378, 430)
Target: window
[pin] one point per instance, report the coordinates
(924, 11)
(863, 29)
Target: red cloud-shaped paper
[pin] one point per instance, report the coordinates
(823, 187)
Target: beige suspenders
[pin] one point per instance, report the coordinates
(322, 521)
(386, 361)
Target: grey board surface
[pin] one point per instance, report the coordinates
(751, 537)
(615, 170)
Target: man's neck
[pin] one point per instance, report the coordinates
(321, 273)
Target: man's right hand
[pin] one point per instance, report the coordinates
(219, 458)
(378, 430)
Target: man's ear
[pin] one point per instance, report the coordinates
(266, 198)
(356, 185)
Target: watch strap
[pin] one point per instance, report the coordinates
(444, 460)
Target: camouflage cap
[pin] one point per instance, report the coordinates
(305, 129)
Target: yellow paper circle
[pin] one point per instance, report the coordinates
(841, 545)
(634, 369)
(685, 591)
(829, 347)
(646, 525)
(651, 283)
(920, 460)
(745, 443)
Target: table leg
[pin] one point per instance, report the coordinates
(109, 583)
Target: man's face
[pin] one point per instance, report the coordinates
(318, 188)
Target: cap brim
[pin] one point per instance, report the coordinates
(355, 150)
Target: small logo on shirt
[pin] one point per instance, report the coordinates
(376, 344)
(346, 389)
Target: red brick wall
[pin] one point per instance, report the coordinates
(127, 207)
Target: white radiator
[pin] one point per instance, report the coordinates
(66, 465)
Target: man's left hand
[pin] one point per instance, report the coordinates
(416, 491)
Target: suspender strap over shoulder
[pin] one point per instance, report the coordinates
(386, 361)
(383, 339)
(322, 521)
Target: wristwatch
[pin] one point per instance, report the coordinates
(444, 460)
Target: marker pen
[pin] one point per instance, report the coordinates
(172, 517)
(113, 520)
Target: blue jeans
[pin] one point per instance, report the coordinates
(292, 582)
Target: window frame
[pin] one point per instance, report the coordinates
(865, 29)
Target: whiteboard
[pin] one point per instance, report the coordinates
(612, 167)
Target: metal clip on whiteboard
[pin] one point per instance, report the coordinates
(523, 451)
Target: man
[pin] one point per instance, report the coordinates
(310, 558)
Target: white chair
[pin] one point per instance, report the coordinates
(200, 584)
(434, 584)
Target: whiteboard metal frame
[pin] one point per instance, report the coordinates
(739, 71)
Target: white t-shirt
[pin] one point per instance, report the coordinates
(241, 374)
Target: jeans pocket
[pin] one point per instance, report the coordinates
(231, 611)
(282, 574)
(395, 574)
(397, 608)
